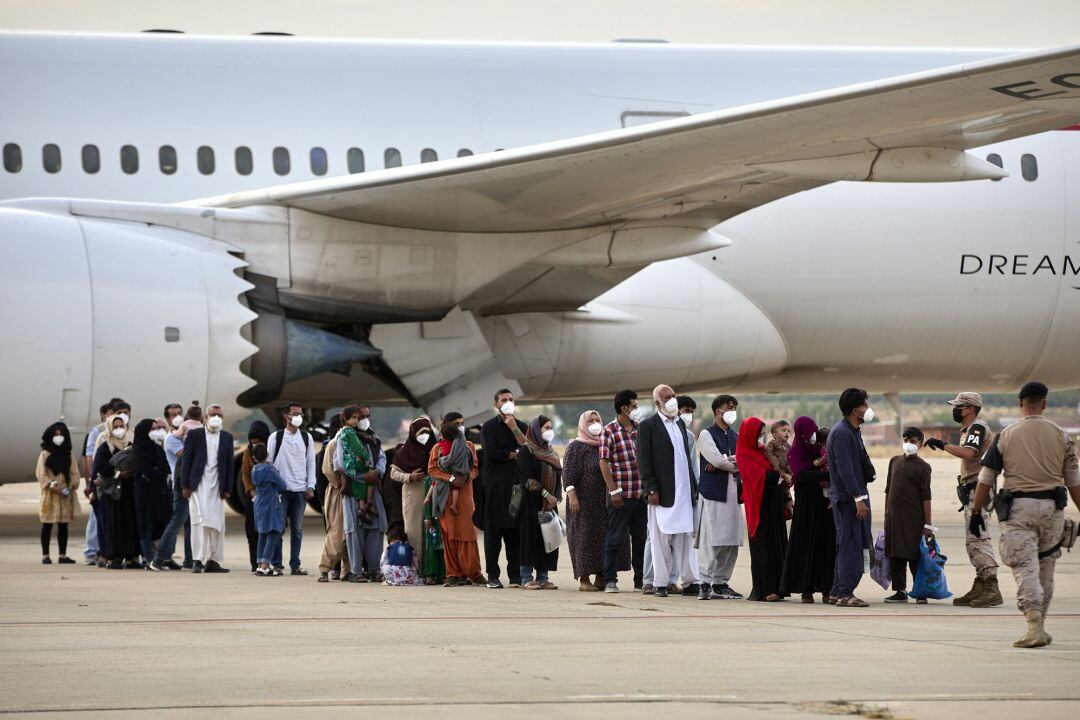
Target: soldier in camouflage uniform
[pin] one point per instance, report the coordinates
(1039, 462)
(975, 437)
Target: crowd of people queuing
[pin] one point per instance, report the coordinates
(645, 496)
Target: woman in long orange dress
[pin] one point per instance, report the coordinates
(455, 457)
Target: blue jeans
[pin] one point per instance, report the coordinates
(179, 519)
(292, 507)
(268, 543)
(92, 549)
(527, 575)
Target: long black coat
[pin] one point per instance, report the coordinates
(497, 477)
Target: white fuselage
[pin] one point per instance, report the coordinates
(892, 287)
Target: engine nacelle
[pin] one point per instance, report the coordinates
(94, 308)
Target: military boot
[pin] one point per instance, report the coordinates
(991, 595)
(1036, 636)
(976, 590)
(1048, 638)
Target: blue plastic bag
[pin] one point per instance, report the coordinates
(930, 576)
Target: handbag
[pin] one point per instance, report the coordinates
(552, 528)
(517, 499)
(930, 575)
(881, 570)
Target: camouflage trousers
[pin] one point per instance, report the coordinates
(980, 550)
(1034, 526)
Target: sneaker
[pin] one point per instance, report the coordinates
(704, 592)
(922, 601)
(133, 565)
(214, 567)
(611, 587)
(263, 572)
(115, 565)
(196, 567)
(495, 584)
(298, 571)
(172, 565)
(65, 560)
(648, 589)
(155, 565)
(898, 597)
(187, 565)
(725, 592)
(451, 581)
(661, 592)
(691, 590)
(92, 560)
(276, 573)
(46, 561)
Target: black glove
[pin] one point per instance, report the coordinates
(977, 524)
(935, 444)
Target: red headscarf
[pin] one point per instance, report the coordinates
(752, 468)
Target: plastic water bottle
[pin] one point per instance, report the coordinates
(866, 561)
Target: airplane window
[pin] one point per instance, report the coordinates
(50, 156)
(318, 161)
(12, 158)
(355, 160)
(167, 159)
(204, 158)
(428, 155)
(995, 159)
(392, 158)
(464, 152)
(129, 159)
(244, 163)
(282, 164)
(1029, 167)
(91, 159)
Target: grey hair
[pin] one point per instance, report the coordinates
(656, 392)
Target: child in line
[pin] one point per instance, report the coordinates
(777, 452)
(400, 565)
(269, 520)
(907, 513)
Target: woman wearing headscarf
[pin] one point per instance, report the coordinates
(152, 496)
(453, 462)
(587, 505)
(258, 434)
(539, 472)
(764, 499)
(808, 566)
(58, 475)
(409, 468)
(116, 491)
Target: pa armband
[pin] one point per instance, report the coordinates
(616, 491)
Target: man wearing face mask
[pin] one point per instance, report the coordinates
(975, 437)
(907, 513)
(670, 488)
(720, 530)
(502, 436)
(208, 473)
(292, 452)
(850, 470)
(174, 416)
(619, 466)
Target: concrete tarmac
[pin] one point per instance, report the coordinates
(126, 643)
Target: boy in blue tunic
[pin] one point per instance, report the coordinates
(269, 520)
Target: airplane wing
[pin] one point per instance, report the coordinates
(712, 166)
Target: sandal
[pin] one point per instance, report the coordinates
(808, 599)
(548, 585)
(532, 585)
(430, 581)
(772, 597)
(323, 577)
(586, 586)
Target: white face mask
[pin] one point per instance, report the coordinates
(58, 440)
(761, 441)
(364, 425)
(125, 417)
(507, 408)
(548, 435)
(177, 421)
(214, 422)
(423, 437)
(910, 448)
(670, 407)
(730, 417)
(687, 419)
(868, 416)
(635, 414)
(118, 432)
(296, 420)
(595, 429)
(158, 435)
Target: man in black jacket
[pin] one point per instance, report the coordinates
(501, 436)
(207, 480)
(669, 486)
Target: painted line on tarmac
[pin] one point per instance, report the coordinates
(517, 618)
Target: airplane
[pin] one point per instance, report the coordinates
(248, 219)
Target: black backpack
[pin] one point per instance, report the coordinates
(280, 435)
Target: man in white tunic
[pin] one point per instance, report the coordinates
(207, 479)
(664, 461)
(720, 528)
